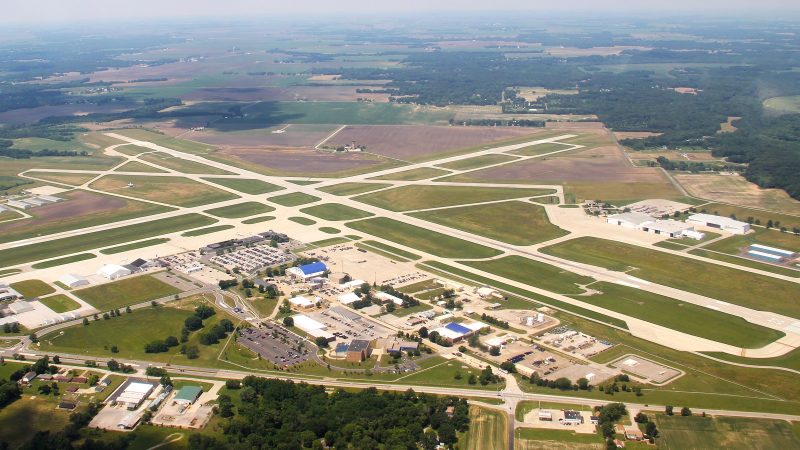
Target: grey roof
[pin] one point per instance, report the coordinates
(358, 345)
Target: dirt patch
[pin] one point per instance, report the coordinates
(414, 141)
(302, 160)
(686, 90)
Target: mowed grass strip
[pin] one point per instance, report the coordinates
(533, 273)
(423, 173)
(207, 230)
(258, 220)
(182, 165)
(75, 244)
(136, 166)
(518, 223)
(424, 240)
(240, 210)
(128, 291)
(540, 149)
(60, 303)
(390, 249)
(746, 262)
(755, 291)
(247, 186)
(681, 316)
(330, 230)
(62, 261)
(478, 161)
(178, 191)
(133, 246)
(332, 211)
(409, 198)
(32, 288)
(772, 238)
(346, 189)
(294, 199)
(302, 220)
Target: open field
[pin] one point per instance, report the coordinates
(723, 283)
(293, 199)
(65, 260)
(737, 190)
(181, 165)
(20, 420)
(539, 149)
(746, 262)
(422, 173)
(501, 221)
(724, 432)
(743, 213)
(422, 239)
(206, 230)
(133, 246)
(788, 104)
(346, 189)
(60, 303)
(332, 211)
(295, 135)
(72, 179)
(75, 244)
(136, 166)
(170, 190)
(258, 220)
(477, 162)
(487, 430)
(773, 238)
(32, 288)
(546, 439)
(181, 145)
(533, 273)
(408, 198)
(240, 210)
(127, 291)
(302, 220)
(253, 187)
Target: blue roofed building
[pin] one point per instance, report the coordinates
(455, 332)
(307, 271)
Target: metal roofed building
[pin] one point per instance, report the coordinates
(306, 323)
(134, 394)
(113, 271)
(72, 281)
(302, 302)
(348, 298)
(632, 220)
(722, 223)
(188, 394)
(671, 228)
(18, 204)
(307, 271)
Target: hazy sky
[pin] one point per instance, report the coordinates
(28, 11)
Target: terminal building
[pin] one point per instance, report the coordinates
(723, 223)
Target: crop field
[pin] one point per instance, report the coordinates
(723, 283)
(724, 432)
(737, 190)
(679, 316)
(32, 288)
(75, 244)
(422, 173)
(128, 291)
(409, 198)
(499, 221)
(347, 189)
(78, 210)
(311, 93)
(421, 239)
(478, 162)
(60, 303)
(546, 439)
(300, 162)
(412, 142)
(240, 210)
(23, 418)
(176, 191)
(332, 211)
(487, 430)
(295, 135)
(293, 199)
(253, 187)
(533, 273)
(71, 179)
(181, 165)
(743, 213)
(621, 193)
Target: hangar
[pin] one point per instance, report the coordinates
(723, 223)
(307, 271)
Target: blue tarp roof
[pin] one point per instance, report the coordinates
(458, 328)
(313, 268)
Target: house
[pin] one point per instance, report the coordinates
(188, 395)
(63, 378)
(450, 411)
(80, 380)
(67, 405)
(27, 378)
(113, 271)
(73, 281)
(633, 433)
(358, 350)
(307, 271)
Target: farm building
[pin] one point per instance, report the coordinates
(358, 350)
(73, 281)
(113, 271)
(8, 293)
(307, 271)
(134, 394)
(188, 395)
(18, 204)
(723, 223)
(303, 303)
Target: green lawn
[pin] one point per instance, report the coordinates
(136, 166)
(515, 222)
(539, 149)
(207, 230)
(20, 420)
(65, 260)
(747, 262)
(178, 191)
(293, 199)
(403, 312)
(724, 432)
(533, 273)
(732, 285)
(258, 220)
(419, 286)
(133, 246)
(127, 291)
(408, 198)
(422, 173)
(388, 248)
(424, 240)
(330, 230)
(60, 303)
(534, 438)
(32, 288)
(181, 145)
(302, 220)
(333, 211)
(248, 186)
(790, 360)
(477, 162)
(526, 406)
(240, 210)
(346, 189)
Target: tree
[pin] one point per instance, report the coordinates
(171, 341)
(583, 384)
(192, 352)
(85, 321)
(563, 383)
(204, 312)
(321, 342)
(114, 349)
(494, 351)
(288, 322)
(128, 309)
(56, 359)
(193, 323)
(112, 365)
(472, 379)
(651, 430)
(233, 384)
(668, 410)
(641, 418)
(166, 380)
(33, 338)
(685, 411)
(508, 366)
(423, 332)
(447, 433)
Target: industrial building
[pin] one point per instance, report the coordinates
(73, 281)
(769, 254)
(348, 298)
(307, 271)
(572, 417)
(722, 223)
(188, 395)
(134, 394)
(386, 298)
(113, 271)
(20, 306)
(18, 204)
(455, 332)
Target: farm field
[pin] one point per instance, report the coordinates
(240, 210)
(181, 165)
(545, 439)
(332, 211)
(408, 198)
(128, 291)
(60, 303)
(422, 239)
(487, 430)
(32, 288)
(723, 283)
(176, 191)
(253, 187)
(133, 246)
(477, 162)
(533, 273)
(760, 217)
(737, 190)
(293, 199)
(347, 189)
(23, 418)
(499, 221)
(724, 432)
(422, 173)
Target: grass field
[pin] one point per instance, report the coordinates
(133, 246)
(71, 179)
(20, 420)
(500, 221)
(330, 230)
(724, 432)
(293, 199)
(680, 316)
(403, 312)
(206, 230)
(253, 187)
(736, 190)
(746, 262)
(176, 191)
(258, 220)
(182, 165)
(618, 192)
(424, 240)
(181, 145)
(743, 213)
(790, 360)
(526, 406)
(75, 244)
(60, 303)
(302, 220)
(773, 238)
(544, 439)
(65, 260)
(128, 291)
(346, 189)
(540, 149)
(423, 173)
(240, 210)
(478, 162)
(409, 198)
(394, 250)
(723, 283)
(333, 211)
(787, 104)
(140, 167)
(32, 288)
(487, 430)
(533, 273)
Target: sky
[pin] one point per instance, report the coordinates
(65, 11)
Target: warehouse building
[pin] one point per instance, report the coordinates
(632, 220)
(643, 222)
(455, 332)
(134, 394)
(303, 303)
(8, 293)
(18, 204)
(722, 223)
(188, 395)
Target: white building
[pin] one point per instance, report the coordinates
(134, 394)
(113, 271)
(18, 205)
(348, 298)
(34, 201)
(302, 302)
(644, 222)
(307, 324)
(671, 228)
(723, 223)
(73, 281)
(486, 292)
(383, 296)
(632, 220)
(20, 306)
(50, 198)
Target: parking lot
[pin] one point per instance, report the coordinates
(347, 325)
(275, 344)
(645, 368)
(187, 263)
(250, 259)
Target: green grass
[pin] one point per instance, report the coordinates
(732, 285)
(128, 291)
(403, 312)
(743, 213)
(248, 186)
(303, 182)
(733, 433)
(515, 222)
(787, 104)
(240, 210)
(789, 360)
(419, 286)
(333, 211)
(478, 162)
(20, 420)
(325, 243)
(408, 198)
(533, 273)
(293, 199)
(178, 191)
(540, 149)
(60, 303)
(136, 166)
(181, 145)
(258, 220)
(347, 189)
(207, 230)
(9, 272)
(544, 438)
(424, 240)
(773, 238)
(302, 220)
(388, 248)
(32, 288)
(133, 246)
(526, 406)
(330, 230)
(441, 372)
(422, 173)
(65, 260)
(487, 430)
(670, 245)
(747, 262)
(684, 317)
